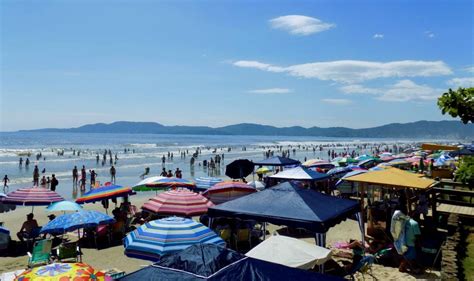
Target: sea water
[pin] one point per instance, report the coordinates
(148, 151)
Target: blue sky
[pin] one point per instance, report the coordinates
(309, 63)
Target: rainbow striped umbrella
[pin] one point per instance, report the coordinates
(228, 190)
(159, 237)
(104, 192)
(165, 183)
(33, 196)
(178, 202)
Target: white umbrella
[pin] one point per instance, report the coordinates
(290, 252)
(147, 180)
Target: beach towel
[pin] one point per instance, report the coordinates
(397, 229)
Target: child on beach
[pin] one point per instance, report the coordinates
(6, 180)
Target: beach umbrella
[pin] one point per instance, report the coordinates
(5, 207)
(399, 162)
(178, 202)
(258, 185)
(262, 170)
(228, 190)
(168, 235)
(314, 162)
(62, 272)
(63, 206)
(203, 183)
(339, 171)
(33, 196)
(166, 183)
(347, 160)
(364, 157)
(277, 161)
(239, 169)
(74, 221)
(105, 193)
(386, 158)
(4, 238)
(347, 187)
(141, 185)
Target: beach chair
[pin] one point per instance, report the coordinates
(226, 235)
(243, 235)
(364, 266)
(32, 236)
(41, 253)
(68, 252)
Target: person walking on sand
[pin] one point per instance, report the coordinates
(36, 176)
(6, 180)
(54, 182)
(112, 174)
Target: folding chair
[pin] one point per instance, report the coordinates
(69, 251)
(41, 253)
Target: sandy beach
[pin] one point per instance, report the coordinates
(113, 257)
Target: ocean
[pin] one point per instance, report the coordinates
(145, 150)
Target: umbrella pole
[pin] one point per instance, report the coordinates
(79, 244)
(32, 209)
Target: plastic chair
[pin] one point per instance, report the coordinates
(226, 235)
(69, 251)
(41, 253)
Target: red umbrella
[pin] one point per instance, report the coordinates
(178, 202)
(228, 190)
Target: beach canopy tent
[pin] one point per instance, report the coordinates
(393, 177)
(277, 161)
(300, 173)
(462, 152)
(290, 252)
(239, 169)
(291, 205)
(434, 146)
(212, 262)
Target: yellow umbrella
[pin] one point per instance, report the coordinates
(263, 170)
(62, 272)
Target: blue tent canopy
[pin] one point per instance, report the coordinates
(289, 204)
(277, 161)
(212, 262)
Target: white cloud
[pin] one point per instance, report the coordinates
(403, 90)
(271, 91)
(300, 25)
(352, 71)
(464, 82)
(429, 34)
(469, 69)
(337, 101)
(378, 36)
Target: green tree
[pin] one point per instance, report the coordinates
(465, 172)
(458, 103)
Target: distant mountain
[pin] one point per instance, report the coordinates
(420, 129)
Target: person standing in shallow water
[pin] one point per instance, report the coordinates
(36, 176)
(54, 182)
(112, 174)
(74, 176)
(6, 180)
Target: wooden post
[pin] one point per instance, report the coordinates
(362, 187)
(433, 207)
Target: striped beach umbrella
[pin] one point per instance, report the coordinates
(166, 183)
(228, 190)
(73, 221)
(181, 202)
(104, 192)
(314, 162)
(203, 183)
(159, 237)
(34, 196)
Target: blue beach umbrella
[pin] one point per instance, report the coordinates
(339, 171)
(204, 183)
(63, 206)
(76, 220)
(158, 237)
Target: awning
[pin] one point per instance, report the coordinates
(393, 177)
(434, 146)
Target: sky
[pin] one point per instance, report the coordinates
(309, 63)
